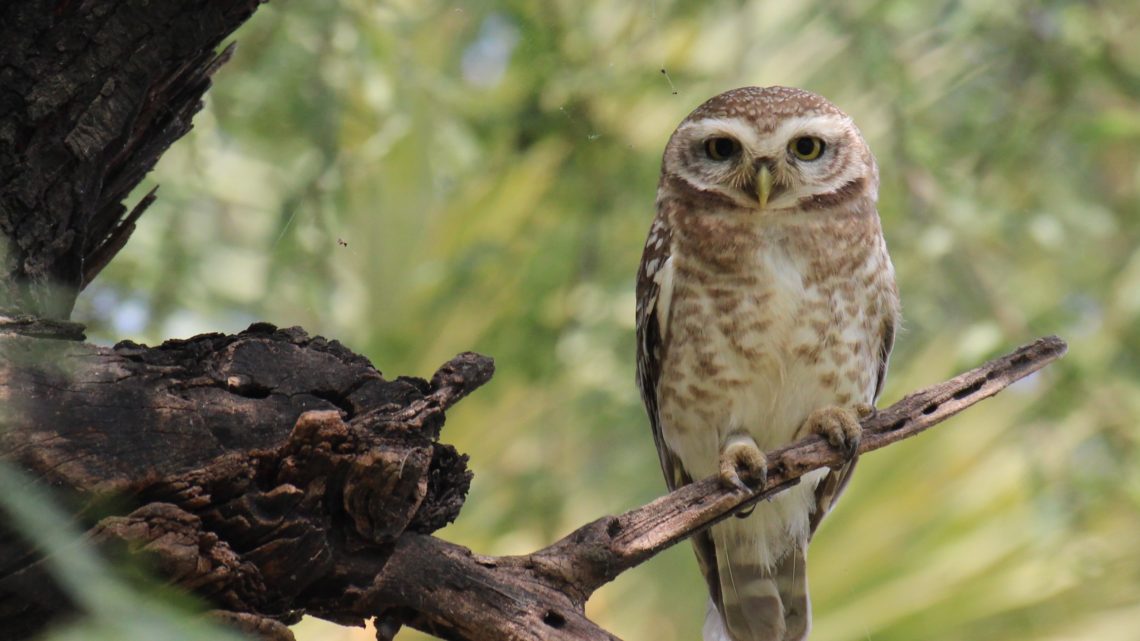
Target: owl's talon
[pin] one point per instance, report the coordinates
(839, 425)
(742, 464)
(864, 410)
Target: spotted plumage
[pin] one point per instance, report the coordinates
(766, 310)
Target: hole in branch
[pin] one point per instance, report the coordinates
(553, 619)
(246, 387)
(966, 391)
(613, 527)
(930, 409)
(339, 401)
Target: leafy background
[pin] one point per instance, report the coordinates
(419, 178)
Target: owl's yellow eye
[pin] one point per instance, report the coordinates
(722, 148)
(806, 147)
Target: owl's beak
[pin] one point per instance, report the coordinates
(763, 185)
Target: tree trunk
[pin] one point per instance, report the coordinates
(92, 92)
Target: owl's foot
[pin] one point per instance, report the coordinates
(839, 425)
(742, 464)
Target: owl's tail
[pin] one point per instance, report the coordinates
(759, 603)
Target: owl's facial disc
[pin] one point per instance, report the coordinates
(768, 168)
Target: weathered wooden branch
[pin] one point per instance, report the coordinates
(543, 595)
(274, 474)
(268, 472)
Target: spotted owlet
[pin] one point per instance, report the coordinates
(766, 311)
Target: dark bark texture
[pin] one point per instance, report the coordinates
(92, 92)
(270, 473)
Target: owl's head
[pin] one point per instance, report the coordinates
(772, 149)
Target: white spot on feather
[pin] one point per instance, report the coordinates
(651, 267)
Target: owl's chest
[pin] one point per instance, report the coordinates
(766, 344)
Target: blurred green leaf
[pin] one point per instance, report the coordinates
(111, 608)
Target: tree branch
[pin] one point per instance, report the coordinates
(266, 472)
(542, 595)
(275, 474)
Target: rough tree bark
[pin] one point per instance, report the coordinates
(270, 473)
(92, 92)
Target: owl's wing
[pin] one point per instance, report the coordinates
(886, 344)
(654, 296)
(829, 489)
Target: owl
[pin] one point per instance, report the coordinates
(766, 311)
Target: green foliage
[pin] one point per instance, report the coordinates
(117, 609)
(422, 178)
